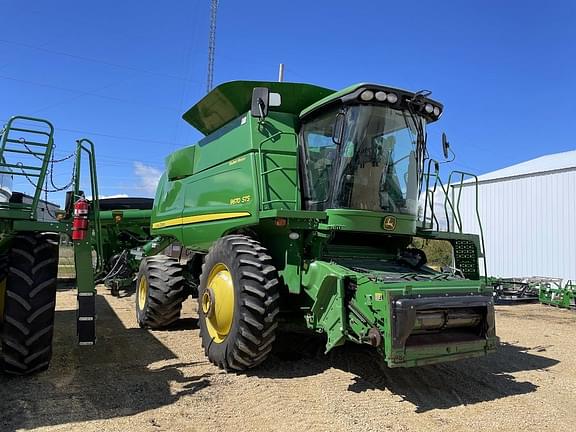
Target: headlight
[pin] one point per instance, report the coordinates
(392, 98)
(428, 108)
(436, 111)
(367, 95)
(293, 236)
(381, 96)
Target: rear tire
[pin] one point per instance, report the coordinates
(160, 292)
(29, 303)
(238, 303)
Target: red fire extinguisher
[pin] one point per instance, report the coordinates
(80, 221)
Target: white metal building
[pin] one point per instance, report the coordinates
(528, 214)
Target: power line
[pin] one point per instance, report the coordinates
(107, 135)
(93, 60)
(188, 65)
(85, 93)
(75, 97)
(118, 136)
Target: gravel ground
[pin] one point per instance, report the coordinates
(136, 380)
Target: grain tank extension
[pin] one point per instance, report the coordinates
(301, 207)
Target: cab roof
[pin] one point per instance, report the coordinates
(354, 90)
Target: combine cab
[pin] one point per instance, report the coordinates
(300, 207)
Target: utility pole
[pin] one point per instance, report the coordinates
(211, 44)
(281, 72)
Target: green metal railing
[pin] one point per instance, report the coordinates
(32, 143)
(451, 203)
(84, 145)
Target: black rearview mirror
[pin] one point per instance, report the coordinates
(260, 102)
(445, 145)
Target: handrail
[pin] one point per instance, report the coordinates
(432, 193)
(80, 147)
(427, 193)
(456, 213)
(451, 203)
(477, 210)
(476, 193)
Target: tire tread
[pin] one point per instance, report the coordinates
(166, 292)
(259, 295)
(29, 303)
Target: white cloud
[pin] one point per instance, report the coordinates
(147, 176)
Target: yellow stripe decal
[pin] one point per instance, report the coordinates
(199, 218)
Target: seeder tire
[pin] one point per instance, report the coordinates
(29, 303)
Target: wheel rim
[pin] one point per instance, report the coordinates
(217, 302)
(142, 292)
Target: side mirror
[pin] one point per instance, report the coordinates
(445, 145)
(260, 102)
(338, 131)
(262, 99)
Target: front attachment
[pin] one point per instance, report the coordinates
(438, 328)
(410, 323)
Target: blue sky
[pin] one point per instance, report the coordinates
(122, 73)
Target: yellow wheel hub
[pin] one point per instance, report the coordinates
(142, 292)
(217, 302)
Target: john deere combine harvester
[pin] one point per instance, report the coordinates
(29, 246)
(300, 205)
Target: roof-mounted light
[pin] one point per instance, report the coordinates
(437, 111)
(367, 95)
(381, 96)
(429, 108)
(392, 98)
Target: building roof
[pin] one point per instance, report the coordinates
(541, 165)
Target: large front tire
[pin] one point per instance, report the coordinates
(29, 303)
(160, 292)
(238, 303)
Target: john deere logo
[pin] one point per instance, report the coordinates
(389, 223)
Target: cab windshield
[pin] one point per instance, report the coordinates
(376, 167)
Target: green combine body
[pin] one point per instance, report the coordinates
(300, 206)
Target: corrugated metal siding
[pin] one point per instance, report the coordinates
(529, 224)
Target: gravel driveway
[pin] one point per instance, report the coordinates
(137, 380)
